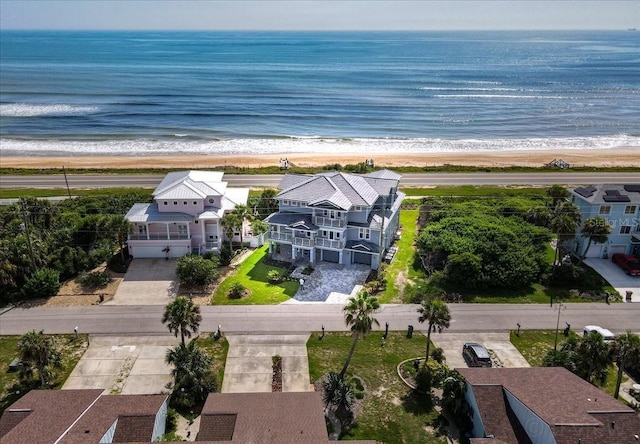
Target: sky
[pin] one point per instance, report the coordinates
(329, 15)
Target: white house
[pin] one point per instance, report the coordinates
(618, 205)
(185, 215)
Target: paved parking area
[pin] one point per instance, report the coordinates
(249, 367)
(147, 282)
(616, 277)
(330, 283)
(124, 365)
(499, 343)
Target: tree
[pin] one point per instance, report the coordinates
(267, 204)
(337, 392)
(44, 283)
(597, 230)
(243, 213)
(182, 316)
(230, 223)
(564, 226)
(192, 269)
(453, 391)
(192, 373)
(436, 314)
(591, 358)
(557, 193)
(624, 350)
(38, 351)
(119, 228)
(358, 314)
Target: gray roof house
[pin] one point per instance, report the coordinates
(335, 217)
(544, 405)
(184, 216)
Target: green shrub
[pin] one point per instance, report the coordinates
(226, 254)
(95, 279)
(192, 269)
(236, 291)
(275, 277)
(43, 283)
(438, 355)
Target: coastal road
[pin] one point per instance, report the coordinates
(296, 318)
(85, 181)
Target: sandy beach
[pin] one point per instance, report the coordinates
(614, 157)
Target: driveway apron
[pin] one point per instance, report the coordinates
(249, 366)
(616, 277)
(147, 282)
(499, 343)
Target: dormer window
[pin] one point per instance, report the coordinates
(210, 201)
(195, 202)
(184, 203)
(175, 202)
(165, 203)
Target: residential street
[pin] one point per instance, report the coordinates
(303, 318)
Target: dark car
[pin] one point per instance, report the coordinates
(476, 355)
(630, 264)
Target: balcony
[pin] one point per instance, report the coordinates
(159, 236)
(329, 222)
(303, 241)
(283, 237)
(329, 243)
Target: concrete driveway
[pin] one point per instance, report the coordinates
(499, 343)
(124, 365)
(329, 283)
(147, 282)
(249, 367)
(616, 277)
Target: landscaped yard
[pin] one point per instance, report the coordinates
(217, 350)
(391, 413)
(252, 275)
(11, 389)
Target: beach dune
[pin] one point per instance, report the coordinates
(613, 157)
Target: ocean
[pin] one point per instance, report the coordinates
(150, 93)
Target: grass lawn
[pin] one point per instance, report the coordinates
(217, 350)
(476, 190)
(401, 267)
(390, 413)
(534, 344)
(11, 389)
(252, 274)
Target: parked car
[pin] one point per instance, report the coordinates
(630, 264)
(606, 334)
(475, 355)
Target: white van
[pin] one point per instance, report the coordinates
(606, 334)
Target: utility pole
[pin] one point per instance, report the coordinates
(64, 171)
(555, 343)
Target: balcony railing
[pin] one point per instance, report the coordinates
(329, 222)
(159, 236)
(329, 243)
(280, 236)
(303, 241)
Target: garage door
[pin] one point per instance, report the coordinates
(330, 256)
(595, 250)
(362, 258)
(613, 249)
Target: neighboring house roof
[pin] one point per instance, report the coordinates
(190, 185)
(573, 408)
(42, 416)
(298, 221)
(143, 212)
(233, 197)
(362, 246)
(281, 417)
(608, 194)
(79, 417)
(340, 190)
(384, 174)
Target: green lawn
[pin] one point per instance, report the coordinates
(252, 274)
(11, 389)
(534, 344)
(217, 350)
(401, 268)
(391, 413)
(476, 190)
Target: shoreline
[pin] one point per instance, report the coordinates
(611, 157)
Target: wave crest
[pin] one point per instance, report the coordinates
(31, 110)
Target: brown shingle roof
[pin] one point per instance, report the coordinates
(497, 416)
(573, 408)
(51, 413)
(281, 418)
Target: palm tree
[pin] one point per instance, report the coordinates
(191, 371)
(591, 358)
(436, 314)
(337, 393)
(119, 227)
(243, 213)
(358, 315)
(38, 350)
(557, 193)
(182, 316)
(231, 222)
(597, 230)
(564, 222)
(625, 350)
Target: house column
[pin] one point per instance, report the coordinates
(167, 224)
(312, 255)
(204, 239)
(147, 225)
(340, 257)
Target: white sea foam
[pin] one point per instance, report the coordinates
(33, 110)
(305, 145)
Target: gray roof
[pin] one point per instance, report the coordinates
(608, 194)
(362, 246)
(384, 174)
(142, 212)
(340, 190)
(292, 220)
(190, 185)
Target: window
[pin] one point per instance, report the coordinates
(195, 202)
(625, 229)
(210, 201)
(294, 203)
(175, 203)
(630, 209)
(142, 230)
(324, 233)
(182, 230)
(165, 202)
(605, 209)
(364, 233)
(184, 203)
(285, 202)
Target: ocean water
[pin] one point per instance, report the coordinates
(134, 93)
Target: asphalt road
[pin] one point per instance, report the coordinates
(272, 180)
(292, 318)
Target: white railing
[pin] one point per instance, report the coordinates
(303, 241)
(280, 236)
(329, 243)
(158, 236)
(329, 222)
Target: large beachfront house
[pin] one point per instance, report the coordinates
(185, 215)
(617, 204)
(335, 217)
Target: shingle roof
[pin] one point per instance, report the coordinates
(51, 412)
(190, 185)
(284, 418)
(569, 405)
